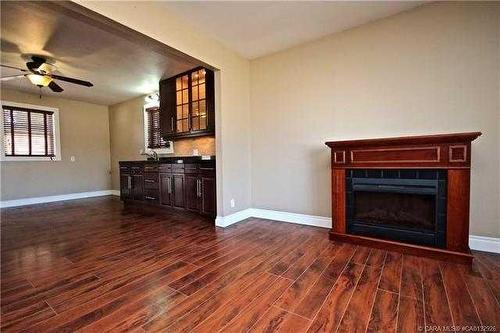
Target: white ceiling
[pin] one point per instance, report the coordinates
(257, 28)
(118, 68)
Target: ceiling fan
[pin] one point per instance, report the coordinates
(40, 73)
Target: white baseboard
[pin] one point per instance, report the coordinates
(312, 220)
(317, 221)
(53, 198)
(225, 221)
(480, 243)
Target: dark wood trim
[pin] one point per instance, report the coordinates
(407, 140)
(417, 250)
(457, 211)
(338, 200)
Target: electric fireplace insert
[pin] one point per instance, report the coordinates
(407, 205)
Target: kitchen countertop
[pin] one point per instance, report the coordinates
(174, 159)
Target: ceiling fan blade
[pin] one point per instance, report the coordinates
(71, 80)
(55, 87)
(12, 67)
(11, 77)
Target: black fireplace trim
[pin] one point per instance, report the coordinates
(419, 181)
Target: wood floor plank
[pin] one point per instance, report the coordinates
(256, 309)
(294, 294)
(279, 320)
(332, 310)
(462, 308)
(361, 255)
(135, 314)
(391, 274)
(376, 257)
(220, 317)
(307, 259)
(411, 279)
(486, 305)
(384, 312)
(358, 311)
(411, 316)
(437, 311)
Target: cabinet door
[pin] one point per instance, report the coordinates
(166, 187)
(167, 106)
(192, 192)
(138, 187)
(178, 191)
(125, 186)
(208, 196)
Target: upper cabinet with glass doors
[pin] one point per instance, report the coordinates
(187, 104)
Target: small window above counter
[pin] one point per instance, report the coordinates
(187, 105)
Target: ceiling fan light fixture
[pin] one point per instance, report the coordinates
(39, 80)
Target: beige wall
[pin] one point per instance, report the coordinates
(84, 131)
(434, 69)
(233, 107)
(127, 137)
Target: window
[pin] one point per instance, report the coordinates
(154, 139)
(29, 132)
(152, 132)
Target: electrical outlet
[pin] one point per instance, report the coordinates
(233, 203)
(195, 152)
(72, 158)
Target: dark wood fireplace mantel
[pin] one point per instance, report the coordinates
(450, 152)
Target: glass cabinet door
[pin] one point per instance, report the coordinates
(198, 101)
(182, 103)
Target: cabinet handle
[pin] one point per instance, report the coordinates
(209, 169)
(198, 187)
(171, 124)
(149, 198)
(129, 182)
(150, 180)
(169, 186)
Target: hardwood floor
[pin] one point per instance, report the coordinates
(91, 265)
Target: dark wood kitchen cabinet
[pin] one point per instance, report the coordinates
(178, 190)
(190, 186)
(187, 106)
(208, 195)
(192, 192)
(166, 186)
(131, 183)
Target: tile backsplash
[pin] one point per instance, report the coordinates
(205, 146)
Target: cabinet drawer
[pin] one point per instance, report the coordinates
(208, 171)
(151, 176)
(151, 168)
(151, 196)
(165, 168)
(178, 168)
(190, 168)
(136, 170)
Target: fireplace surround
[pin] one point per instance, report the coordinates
(408, 194)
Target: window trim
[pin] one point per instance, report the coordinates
(163, 150)
(57, 135)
